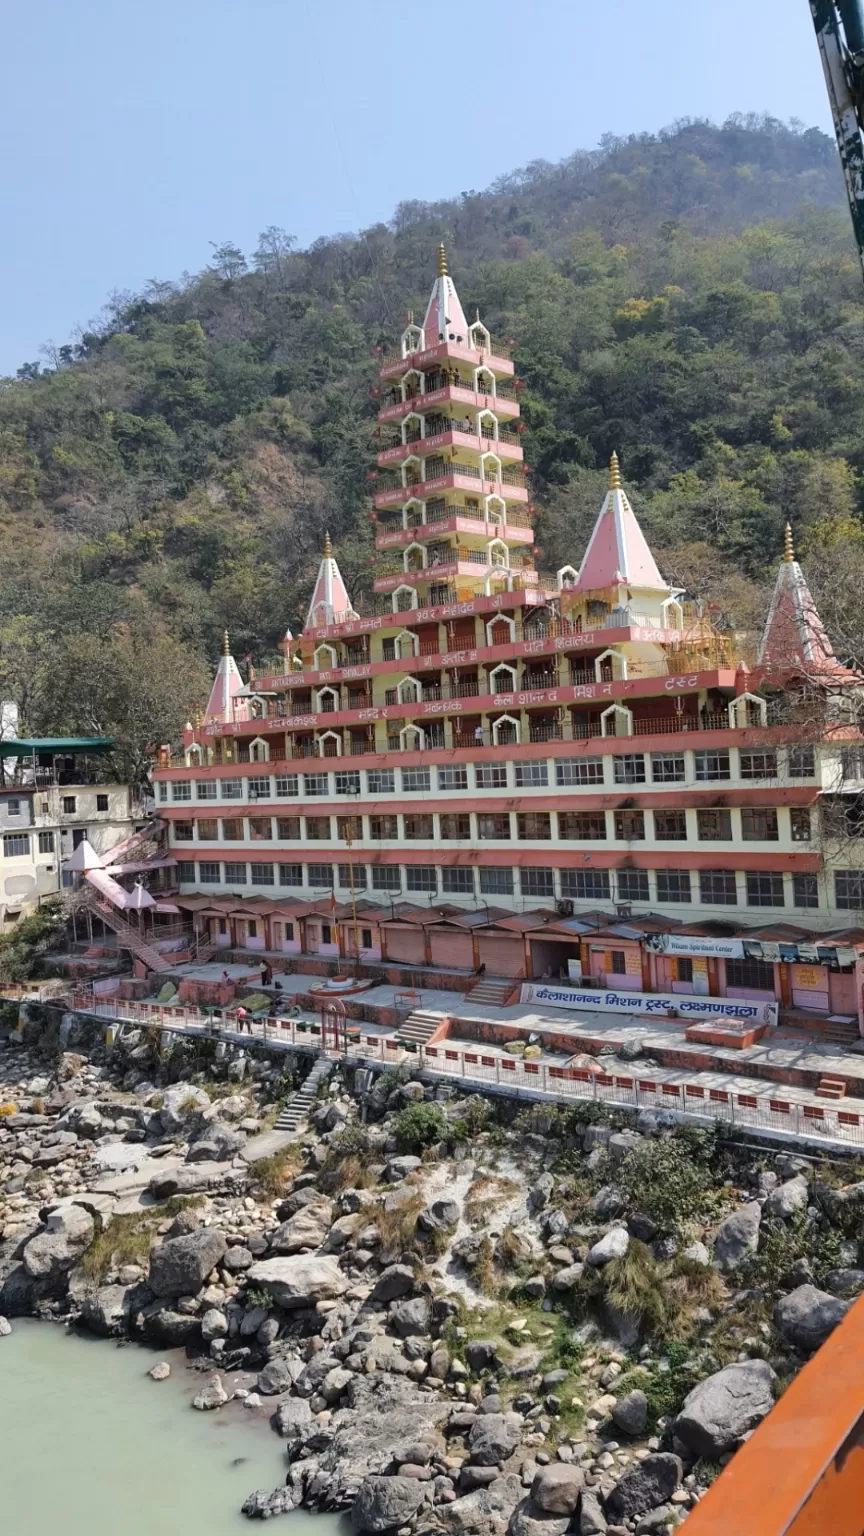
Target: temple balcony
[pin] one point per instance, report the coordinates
(442, 518)
(434, 391)
(455, 356)
(506, 444)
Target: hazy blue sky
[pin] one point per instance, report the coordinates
(134, 133)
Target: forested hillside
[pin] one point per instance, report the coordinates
(691, 298)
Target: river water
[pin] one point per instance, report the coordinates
(90, 1446)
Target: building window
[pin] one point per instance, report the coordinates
(496, 882)
(381, 781)
(326, 933)
(416, 781)
(457, 882)
(101, 802)
(453, 778)
(532, 775)
(579, 770)
(537, 882)
(758, 765)
(162, 791)
(582, 826)
(712, 765)
(320, 875)
(852, 762)
(207, 830)
(757, 974)
(316, 784)
(667, 768)
(493, 827)
(586, 884)
(209, 874)
(252, 928)
(490, 776)
(290, 874)
(13, 807)
(759, 826)
(344, 872)
(205, 789)
(617, 962)
(288, 829)
(232, 789)
(420, 827)
(70, 802)
(347, 783)
(629, 769)
(683, 969)
(16, 845)
(235, 874)
(232, 829)
(714, 826)
(386, 877)
(630, 826)
(317, 829)
(802, 763)
(534, 825)
(181, 789)
(349, 827)
(800, 818)
(259, 789)
(184, 831)
(388, 650)
(673, 885)
(383, 827)
(455, 828)
(185, 871)
(260, 829)
(287, 786)
(670, 826)
(633, 885)
(262, 874)
(365, 938)
(717, 888)
(421, 877)
(46, 842)
(765, 891)
(848, 889)
(805, 891)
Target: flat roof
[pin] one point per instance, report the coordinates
(21, 746)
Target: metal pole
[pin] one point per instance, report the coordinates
(843, 83)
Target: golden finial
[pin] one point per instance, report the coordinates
(442, 261)
(328, 547)
(410, 317)
(788, 546)
(614, 473)
(226, 644)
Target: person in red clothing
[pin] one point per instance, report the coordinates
(243, 1020)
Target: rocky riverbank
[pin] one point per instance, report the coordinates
(462, 1317)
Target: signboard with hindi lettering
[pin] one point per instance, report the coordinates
(687, 1006)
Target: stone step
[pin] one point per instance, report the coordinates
(419, 1026)
(831, 1088)
(495, 991)
(293, 1114)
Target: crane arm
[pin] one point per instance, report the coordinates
(839, 28)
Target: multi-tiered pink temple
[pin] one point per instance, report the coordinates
(506, 750)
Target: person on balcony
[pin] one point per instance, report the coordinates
(478, 736)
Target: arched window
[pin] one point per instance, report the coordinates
(503, 679)
(505, 731)
(405, 598)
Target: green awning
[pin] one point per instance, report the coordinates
(26, 746)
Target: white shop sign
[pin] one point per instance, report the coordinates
(687, 1006)
(690, 944)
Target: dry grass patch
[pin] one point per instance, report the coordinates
(128, 1239)
(272, 1173)
(398, 1225)
(486, 1194)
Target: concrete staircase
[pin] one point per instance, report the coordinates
(127, 937)
(296, 1112)
(838, 1033)
(419, 1026)
(831, 1088)
(493, 991)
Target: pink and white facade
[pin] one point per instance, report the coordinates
(482, 737)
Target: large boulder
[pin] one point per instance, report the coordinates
(630, 1413)
(106, 1310)
(613, 1246)
(54, 1250)
(483, 1512)
(412, 1316)
(787, 1199)
(395, 1281)
(180, 1265)
(305, 1230)
(806, 1316)
(439, 1216)
(737, 1237)
(556, 1488)
(278, 1375)
(721, 1410)
(494, 1437)
(216, 1143)
(384, 1503)
(845, 1282)
(592, 1521)
(182, 1105)
(528, 1519)
(299, 1280)
(293, 1414)
(651, 1483)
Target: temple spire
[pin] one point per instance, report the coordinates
(788, 546)
(445, 318)
(442, 260)
(794, 639)
(330, 601)
(226, 643)
(618, 553)
(226, 686)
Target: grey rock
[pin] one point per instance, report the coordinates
(106, 1310)
(592, 1521)
(54, 1250)
(384, 1503)
(845, 1282)
(171, 1328)
(180, 1105)
(787, 1199)
(622, 1143)
(655, 1520)
(180, 1265)
(697, 1253)
(300, 1280)
(613, 1246)
(645, 1486)
(262, 1505)
(481, 1354)
(278, 1375)
(212, 1395)
(556, 1488)
(608, 1203)
(630, 1412)
(485, 1512)
(307, 1229)
(5, 1327)
(395, 1281)
(216, 1143)
(293, 1414)
(534, 1287)
(528, 1519)
(642, 1227)
(493, 1437)
(565, 1279)
(721, 1410)
(439, 1216)
(412, 1316)
(237, 1260)
(159, 1372)
(807, 1316)
(737, 1237)
(399, 1167)
(214, 1325)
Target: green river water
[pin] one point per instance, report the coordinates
(90, 1446)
